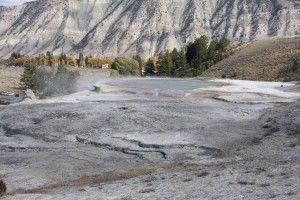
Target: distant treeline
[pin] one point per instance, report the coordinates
(48, 59)
(189, 61)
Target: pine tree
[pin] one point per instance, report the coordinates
(80, 59)
(49, 58)
(197, 52)
(87, 63)
(161, 64)
(141, 62)
(168, 62)
(212, 50)
(28, 78)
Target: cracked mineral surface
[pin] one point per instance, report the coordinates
(119, 145)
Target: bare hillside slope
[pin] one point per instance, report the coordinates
(130, 27)
(267, 59)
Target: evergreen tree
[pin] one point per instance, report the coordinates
(28, 78)
(49, 58)
(162, 70)
(168, 62)
(80, 56)
(151, 66)
(16, 55)
(87, 61)
(182, 60)
(223, 44)
(141, 62)
(80, 60)
(212, 50)
(222, 48)
(197, 52)
(296, 65)
(12, 61)
(176, 62)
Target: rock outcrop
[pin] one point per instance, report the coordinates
(29, 95)
(112, 27)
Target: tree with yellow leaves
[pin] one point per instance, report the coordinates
(42, 59)
(72, 60)
(2, 61)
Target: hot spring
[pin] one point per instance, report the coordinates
(154, 86)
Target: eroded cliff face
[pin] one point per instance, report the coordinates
(113, 27)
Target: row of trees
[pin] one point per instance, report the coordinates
(49, 59)
(187, 62)
(48, 74)
(190, 61)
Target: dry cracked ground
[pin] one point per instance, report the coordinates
(150, 148)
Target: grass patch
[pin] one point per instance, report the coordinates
(202, 174)
(4, 103)
(245, 183)
(103, 178)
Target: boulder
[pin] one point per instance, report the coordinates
(29, 95)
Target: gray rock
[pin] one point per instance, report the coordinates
(29, 95)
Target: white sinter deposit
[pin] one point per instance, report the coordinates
(115, 145)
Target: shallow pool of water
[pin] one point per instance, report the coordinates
(164, 83)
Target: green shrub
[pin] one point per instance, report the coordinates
(2, 187)
(114, 73)
(4, 103)
(296, 64)
(126, 66)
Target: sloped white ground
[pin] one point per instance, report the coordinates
(236, 91)
(193, 147)
(240, 91)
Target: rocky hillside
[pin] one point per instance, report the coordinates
(112, 27)
(266, 59)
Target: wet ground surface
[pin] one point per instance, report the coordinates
(163, 83)
(87, 138)
(10, 99)
(151, 147)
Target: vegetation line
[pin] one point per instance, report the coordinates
(189, 61)
(103, 178)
